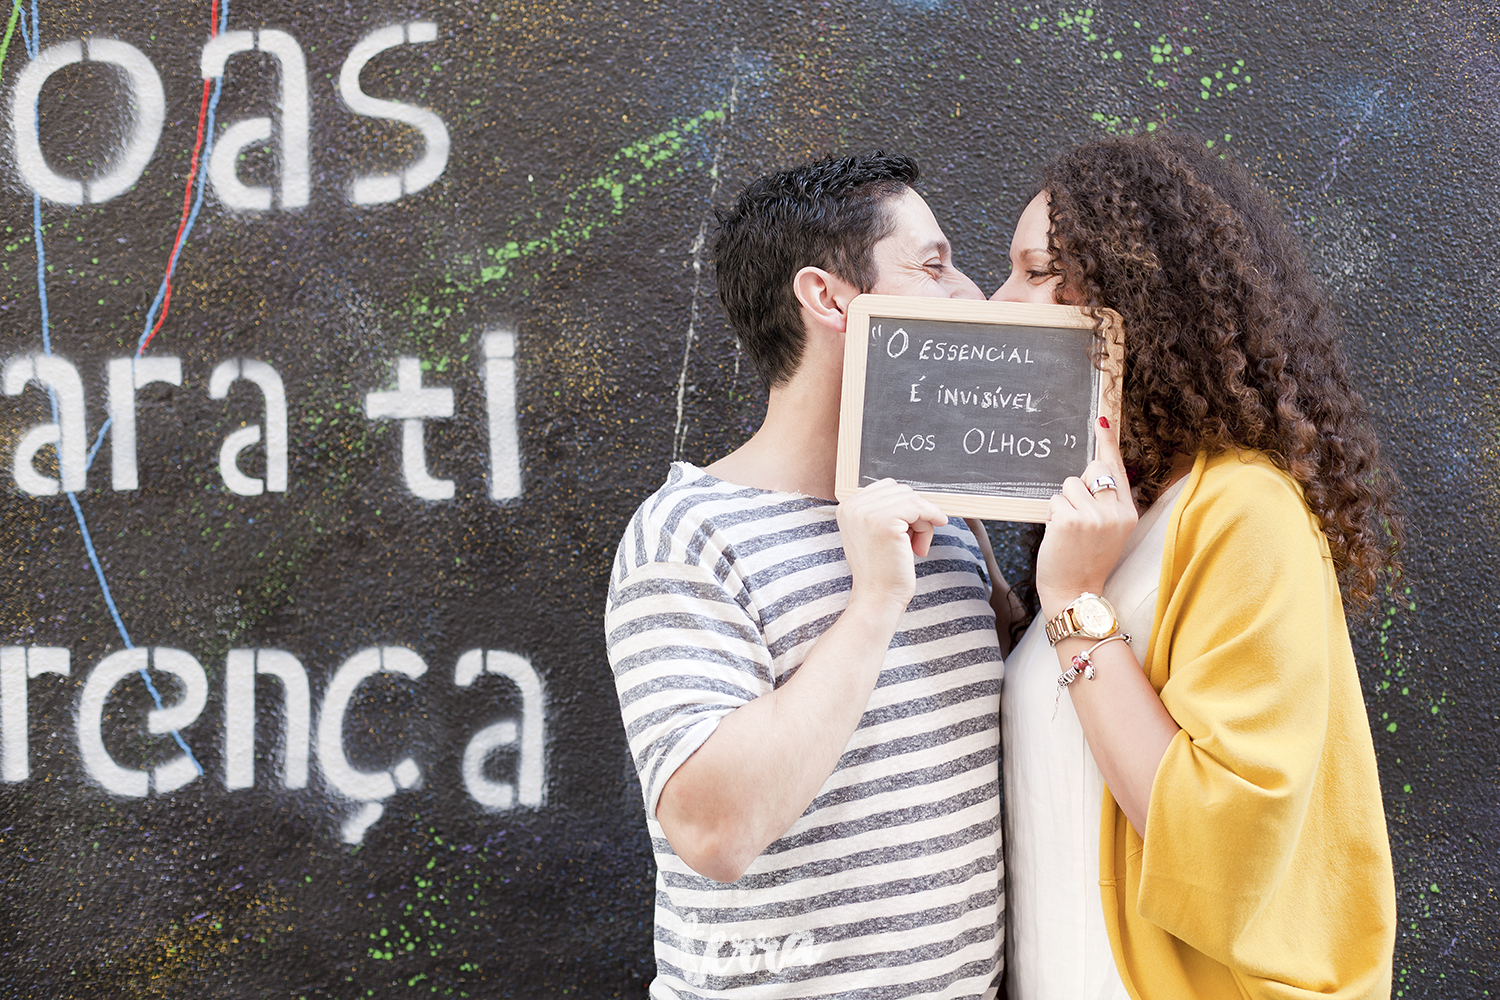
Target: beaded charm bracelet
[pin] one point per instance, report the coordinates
(1083, 665)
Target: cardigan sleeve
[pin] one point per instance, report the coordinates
(1247, 634)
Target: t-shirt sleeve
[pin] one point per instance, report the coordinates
(1249, 625)
(685, 653)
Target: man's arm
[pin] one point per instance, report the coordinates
(766, 761)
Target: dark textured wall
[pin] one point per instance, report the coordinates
(588, 145)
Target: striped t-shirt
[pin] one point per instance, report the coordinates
(890, 884)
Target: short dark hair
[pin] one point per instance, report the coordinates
(828, 214)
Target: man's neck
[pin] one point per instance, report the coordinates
(796, 448)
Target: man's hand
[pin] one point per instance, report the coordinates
(883, 526)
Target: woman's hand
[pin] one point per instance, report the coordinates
(1085, 532)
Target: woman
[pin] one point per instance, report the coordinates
(1197, 814)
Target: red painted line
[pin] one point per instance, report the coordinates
(187, 195)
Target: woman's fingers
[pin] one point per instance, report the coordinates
(1108, 460)
(1076, 493)
(1089, 523)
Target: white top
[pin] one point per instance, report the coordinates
(1057, 947)
(889, 885)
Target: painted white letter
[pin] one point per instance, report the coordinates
(96, 759)
(68, 434)
(149, 106)
(500, 400)
(239, 715)
(376, 188)
(366, 786)
(411, 404)
(17, 665)
(296, 169)
(181, 769)
(531, 770)
(111, 670)
(126, 375)
(265, 377)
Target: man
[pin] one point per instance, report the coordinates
(810, 689)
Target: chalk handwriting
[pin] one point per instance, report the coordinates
(984, 399)
(941, 350)
(976, 441)
(917, 442)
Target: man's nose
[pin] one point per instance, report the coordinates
(965, 288)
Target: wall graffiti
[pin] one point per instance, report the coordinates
(20, 664)
(147, 103)
(339, 342)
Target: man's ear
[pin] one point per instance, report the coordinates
(825, 296)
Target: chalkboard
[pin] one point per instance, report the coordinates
(985, 407)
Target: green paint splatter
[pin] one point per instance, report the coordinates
(10, 31)
(602, 197)
(1168, 71)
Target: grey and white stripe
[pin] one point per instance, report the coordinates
(890, 885)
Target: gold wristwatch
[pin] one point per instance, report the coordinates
(1089, 615)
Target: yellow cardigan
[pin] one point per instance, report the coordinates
(1265, 871)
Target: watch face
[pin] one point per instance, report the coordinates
(1095, 617)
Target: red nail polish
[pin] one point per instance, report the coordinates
(1104, 422)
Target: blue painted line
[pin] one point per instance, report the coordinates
(32, 39)
(109, 600)
(88, 462)
(192, 220)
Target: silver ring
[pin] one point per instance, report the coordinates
(1101, 484)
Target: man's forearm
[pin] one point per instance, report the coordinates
(765, 763)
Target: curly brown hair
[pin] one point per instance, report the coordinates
(1230, 343)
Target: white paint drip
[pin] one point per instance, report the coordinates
(679, 429)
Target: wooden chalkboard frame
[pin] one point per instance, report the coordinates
(864, 308)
